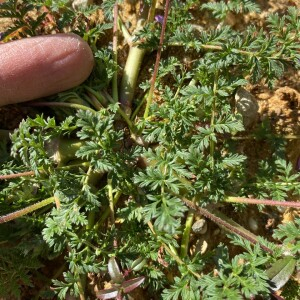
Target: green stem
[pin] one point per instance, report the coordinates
(111, 199)
(83, 165)
(106, 213)
(130, 75)
(138, 108)
(108, 98)
(226, 223)
(93, 101)
(179, 86)
(62, 150)
(218, 48)
(91, 220)
(103, 101)
(124, 30)
(151, 14)
(179, 260)
(73, 97)
(250, 137)
(274, 184)
(26, 210)
(61, 104)
(121, 112)
(186, 234)
(133, 63)
(88, 181)
(212, 119)
(81, 285)
(127, 120)
(277, 56)
(172, 253)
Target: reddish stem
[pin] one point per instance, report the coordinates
(161, 41)
(263, 202)
(115, 52)
(11, 176)
(219, 221)
(25, 211)
(158, 55)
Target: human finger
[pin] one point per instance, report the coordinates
(41, 66)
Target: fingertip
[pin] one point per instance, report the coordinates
(42, 66)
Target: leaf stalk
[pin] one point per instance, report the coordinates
(26, 210)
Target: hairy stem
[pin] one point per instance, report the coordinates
(186, 233)
(220, 220)
(26, 210)
(262, 202)
(253, 137)
(61, 104)
(158, 55)
(111, 200)
(115, 54)
(31, 173)
(17, 175)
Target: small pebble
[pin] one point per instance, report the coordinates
(200, 246)
(200, 226)
(204, 247)
(247, 106)
(281, 209)
(253, 224)
(81, 4)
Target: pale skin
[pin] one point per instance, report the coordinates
(37, 67)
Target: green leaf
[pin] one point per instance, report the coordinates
(138, 264)
(114, 271)
(107, 294)
(281, 271)
(130, 285)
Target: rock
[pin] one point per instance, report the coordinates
(81, 3)
(253, 224)
(247, 106)
(200, 246)
(200, 226)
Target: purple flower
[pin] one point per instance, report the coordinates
(159, 19)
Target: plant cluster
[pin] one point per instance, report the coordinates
(110, 193)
